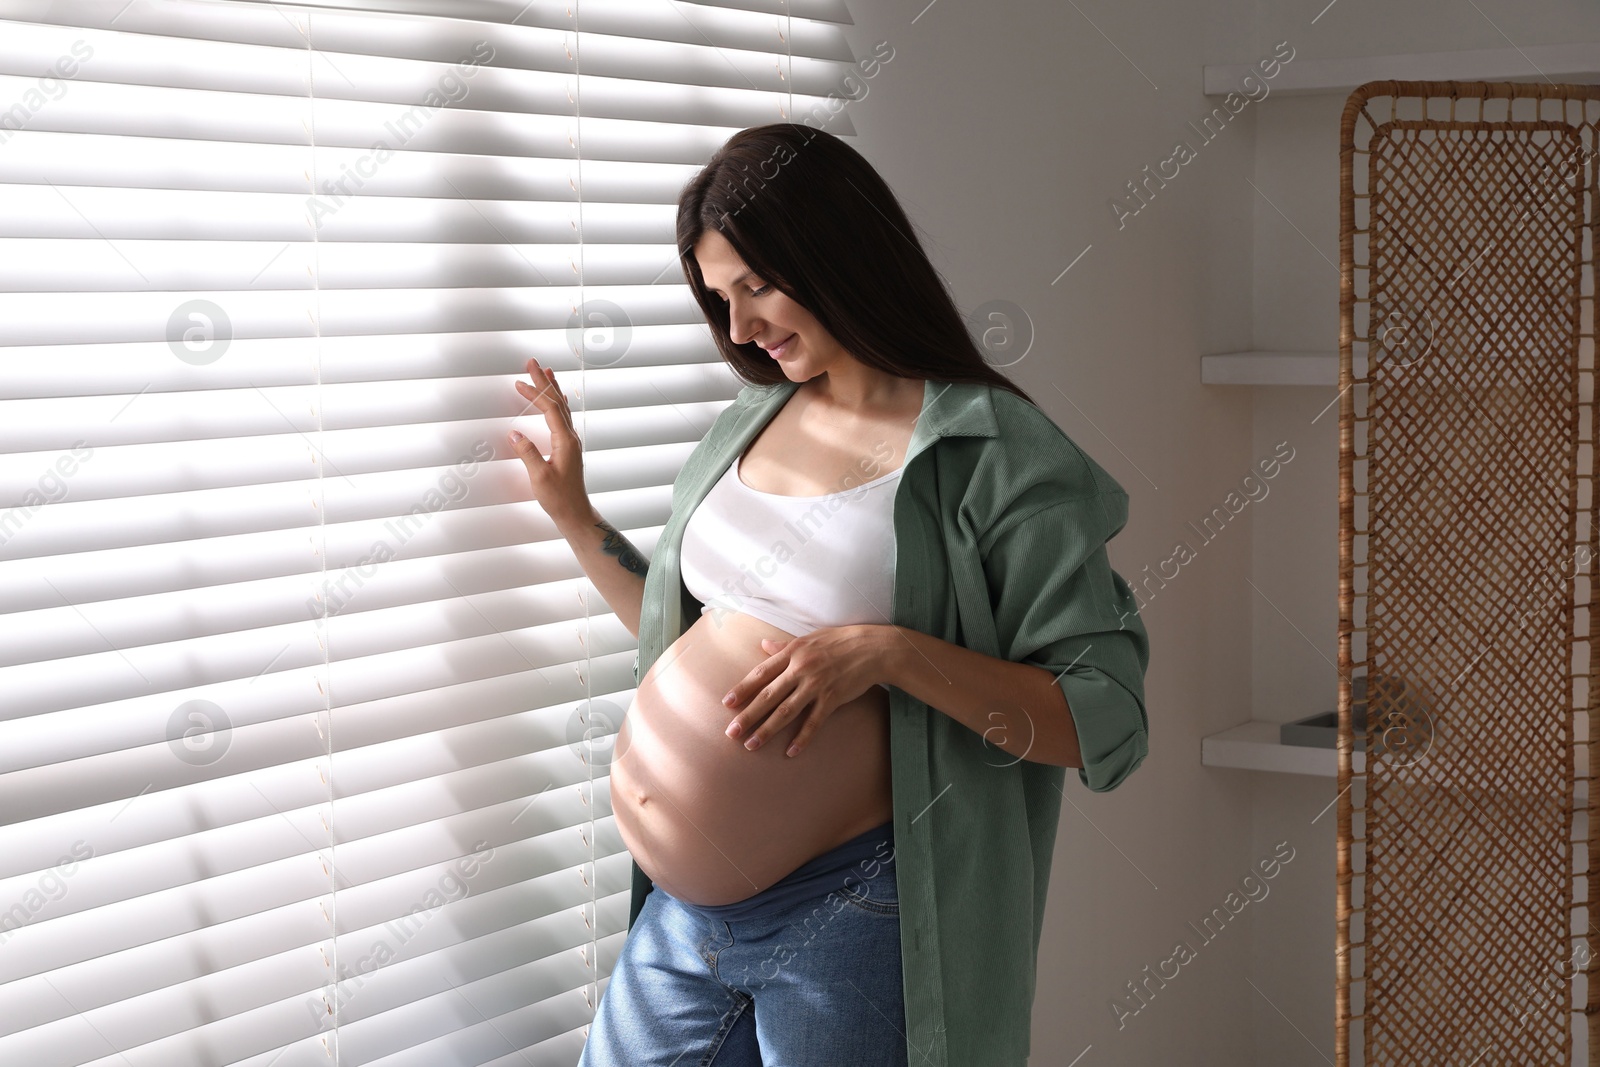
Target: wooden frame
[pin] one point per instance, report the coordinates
(1467, 545)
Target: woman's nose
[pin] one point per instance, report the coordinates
(741, 328)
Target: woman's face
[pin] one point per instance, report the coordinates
(759, 312)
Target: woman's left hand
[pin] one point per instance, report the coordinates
(821, 670)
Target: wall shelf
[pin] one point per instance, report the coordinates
(1254, 746)
(1578, 63)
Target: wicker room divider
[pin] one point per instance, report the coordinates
(1467, 557)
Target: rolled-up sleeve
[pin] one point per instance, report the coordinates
(1058, 605)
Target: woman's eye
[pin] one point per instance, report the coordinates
(763, 291)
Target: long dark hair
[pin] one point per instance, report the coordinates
(812, 217)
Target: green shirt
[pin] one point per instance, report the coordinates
(1000, 525)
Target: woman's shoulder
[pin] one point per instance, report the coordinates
(1030, 442)
(1030, 464)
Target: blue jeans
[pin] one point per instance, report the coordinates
(816, 984)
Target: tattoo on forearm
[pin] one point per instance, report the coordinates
(617, 545)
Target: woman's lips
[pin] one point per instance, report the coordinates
(783, 349)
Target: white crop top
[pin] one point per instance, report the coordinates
(797, 562)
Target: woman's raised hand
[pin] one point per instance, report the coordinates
(558, 481)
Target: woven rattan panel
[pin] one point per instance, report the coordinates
(1467, 539)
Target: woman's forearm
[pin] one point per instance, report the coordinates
(616, 568)
(1016, 707)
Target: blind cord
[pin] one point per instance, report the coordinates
(332, 955)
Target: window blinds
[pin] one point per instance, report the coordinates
(304, 704)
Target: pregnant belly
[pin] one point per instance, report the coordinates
(712, 822)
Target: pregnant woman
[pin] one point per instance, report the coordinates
(878, 626)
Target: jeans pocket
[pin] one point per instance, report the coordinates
(878, 894)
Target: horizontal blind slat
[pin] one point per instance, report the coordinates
(43, 265)
(367, 474)
(206, 323)
(814, 30)
(38, 217)
(674, 353)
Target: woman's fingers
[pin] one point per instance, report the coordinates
(768, 723)
(545, 393)
(803, 738)
(542, 390)
(546, 396)
(557, 479)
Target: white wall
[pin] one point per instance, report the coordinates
(1006, 127)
